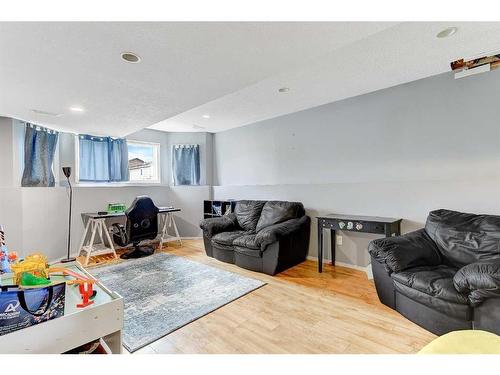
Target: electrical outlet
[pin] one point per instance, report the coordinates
(338, 240)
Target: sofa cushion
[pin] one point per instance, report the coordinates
(464, 238)
(456, 310)
(248, 213)
(255, 253)
(435, 281)
(227, 238)
(275, 212)
(247, 241)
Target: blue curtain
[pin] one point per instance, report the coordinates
(103, 159)
(186, 164)
(39, 148)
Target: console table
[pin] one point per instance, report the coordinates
(364, 224)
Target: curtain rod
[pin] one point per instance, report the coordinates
(41, 128)
(185, 145)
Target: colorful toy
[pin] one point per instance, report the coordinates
(85, 285)
(116, 208)
(28, 279)
(34, 271)
(6, 258)
(36, 264)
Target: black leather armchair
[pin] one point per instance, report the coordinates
(444, 277)
(261, 236)
(142, 224)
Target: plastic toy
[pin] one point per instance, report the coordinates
(36, 264)
(28, 279)
(85, 285)
(116, 208)
(34, 271)
(12, 256)
(6, 258)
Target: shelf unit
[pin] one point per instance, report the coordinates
(216, 208)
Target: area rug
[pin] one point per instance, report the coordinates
(164, 292)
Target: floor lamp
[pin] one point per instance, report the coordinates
(67, 173)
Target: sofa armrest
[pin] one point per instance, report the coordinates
(410, 250)
(480, 280)
(277, 232)
(221, 224)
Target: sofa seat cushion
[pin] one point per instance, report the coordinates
(247, 241)
(248, 213)
(275, 212)
(435, 281)
(255, 253)
(227, 238)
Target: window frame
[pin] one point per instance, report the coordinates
(157, 147)
(120, 183)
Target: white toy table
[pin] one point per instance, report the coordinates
(102, 320)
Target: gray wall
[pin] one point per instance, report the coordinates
(397, 152)
(35, 219)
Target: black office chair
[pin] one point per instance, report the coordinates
(142, 224)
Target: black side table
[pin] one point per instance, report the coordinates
(351, 223)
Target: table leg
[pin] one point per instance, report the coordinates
(175, 229)
(163, 233)
(91, 243)
(114, 342)
(85, 232)
(100, 227)
(332, 244)
(106, 232)
(320, 247)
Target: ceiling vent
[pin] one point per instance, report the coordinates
(45, 113)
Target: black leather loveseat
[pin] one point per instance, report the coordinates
(262, 236)
(444, 277)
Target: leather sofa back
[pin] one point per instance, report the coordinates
(248, 213)
(275, 212)
(464, 238)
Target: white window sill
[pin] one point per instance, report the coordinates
(118, 184)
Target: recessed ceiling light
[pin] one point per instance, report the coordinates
(284, 89)
(447, 32)
(130, 57)
(206, 115)
(76, 108)
(40, 112)
(198, 127)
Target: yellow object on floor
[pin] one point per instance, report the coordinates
(464, 342)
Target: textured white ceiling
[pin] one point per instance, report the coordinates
(396, 55)
(231, 71)
(52, 66)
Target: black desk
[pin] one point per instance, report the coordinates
(352, 223)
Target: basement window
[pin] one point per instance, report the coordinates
(144, 161)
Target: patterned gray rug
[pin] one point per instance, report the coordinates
(164, 292)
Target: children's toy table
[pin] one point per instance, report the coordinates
(102, 320)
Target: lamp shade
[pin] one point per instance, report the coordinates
(67, 171)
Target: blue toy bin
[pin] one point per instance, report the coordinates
(22, 308)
